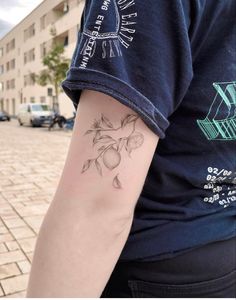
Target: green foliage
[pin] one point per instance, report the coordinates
(56, 66)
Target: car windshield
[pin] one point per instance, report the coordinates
(38, 107)
(1, 113)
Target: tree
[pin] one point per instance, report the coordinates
(56, 66)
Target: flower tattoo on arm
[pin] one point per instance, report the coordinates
(109, 151)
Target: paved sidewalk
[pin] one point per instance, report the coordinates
(31, 162)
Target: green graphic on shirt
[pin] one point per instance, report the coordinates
(220, 122)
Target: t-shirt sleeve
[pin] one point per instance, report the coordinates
(136, 51)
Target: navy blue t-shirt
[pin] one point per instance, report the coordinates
(174, 63)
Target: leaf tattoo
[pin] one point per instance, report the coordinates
(88, 132)
(86, 165)
(104, 139)
(98, 166)
(128, 119)
(116, 182)
(106, 122)
(120, 144)
(110, 149)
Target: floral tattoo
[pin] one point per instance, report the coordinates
(109, 151)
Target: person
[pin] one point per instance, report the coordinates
(145, 206)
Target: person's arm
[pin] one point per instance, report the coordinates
(89, 219)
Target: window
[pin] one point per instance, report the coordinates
(12, 64)
(13, 106)
(1, 52)
(38, 107)
(25, 57)
(1, 69)
(32, 99)
(8, 66)
(29, 79)
(29, 56)
(1, 86)
(43, 22)
(42, 99)
(7, 103)
(12, 84)
(2, 104)
(25, 80)
(10, 46)
(43, 49)
(66, 41)
(65, 7)
(25, 34)
(29, 32)
(61, 9)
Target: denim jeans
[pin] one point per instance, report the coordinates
(207, 271)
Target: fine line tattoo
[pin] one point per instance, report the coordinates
(110, 153)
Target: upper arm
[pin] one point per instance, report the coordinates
(109, 156)
(142, 57)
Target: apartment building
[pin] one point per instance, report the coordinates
(22, 50)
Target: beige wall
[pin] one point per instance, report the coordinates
(48, 13)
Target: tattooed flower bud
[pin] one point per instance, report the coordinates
(135, 140)
(111, 158)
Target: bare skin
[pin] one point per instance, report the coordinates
(90, 216)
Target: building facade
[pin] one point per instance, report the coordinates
(23, 48)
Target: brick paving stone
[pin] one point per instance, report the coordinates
(13, 223)
(28, 182)
(30, 256)
(24, 266)
(1, 292)
(6, 237)
(11, 246)
(34, 222)
(17, 205)
(8, 195)
(3, 248)
(15, 284)
(7, 212)
(33, 202)
(5, 182)
(11, 256)
(20, 187)
(9, 270)
(28, 244)
(3, 229)
(33, 210)
(18, 198)
(17, 295)
(22, 232)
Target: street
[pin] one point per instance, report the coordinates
(31, 162)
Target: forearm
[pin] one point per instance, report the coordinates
(75, 254)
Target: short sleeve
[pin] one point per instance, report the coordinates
(136, 51)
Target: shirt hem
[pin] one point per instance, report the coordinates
(79, 79)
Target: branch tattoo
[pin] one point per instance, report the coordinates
(109, 151)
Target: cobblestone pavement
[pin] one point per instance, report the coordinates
(31, 162)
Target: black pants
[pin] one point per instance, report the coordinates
(208, 271)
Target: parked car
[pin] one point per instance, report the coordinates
(34, 114)
(4, 116)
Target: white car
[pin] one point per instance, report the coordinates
(34, 114)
